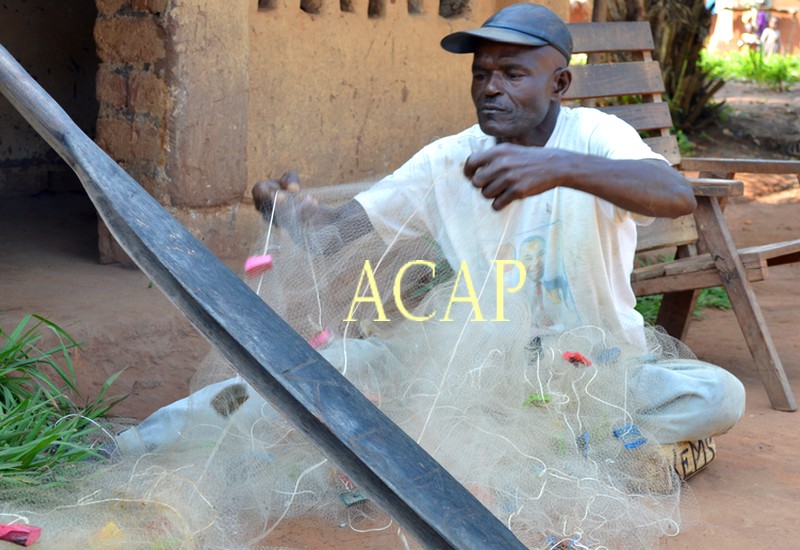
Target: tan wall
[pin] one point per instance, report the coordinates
(340, 96)
(53, 41)
(561, 7)
(208, 80)
(172, 86)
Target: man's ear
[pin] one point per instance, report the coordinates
(562, 80)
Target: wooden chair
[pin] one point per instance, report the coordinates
(705, 253)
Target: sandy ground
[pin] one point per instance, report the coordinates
(746, 498)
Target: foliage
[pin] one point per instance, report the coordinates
(685, 146)
(40, 426)
(715, 297)
(578, 59)
(778, 72)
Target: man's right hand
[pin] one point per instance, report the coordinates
(272, 194)
(281, 202)
(265, 191)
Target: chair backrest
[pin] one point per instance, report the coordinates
(620, 77)
(632, 84)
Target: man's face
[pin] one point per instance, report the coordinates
(516, 91)
(531, 254)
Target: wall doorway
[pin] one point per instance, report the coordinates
(54, 41)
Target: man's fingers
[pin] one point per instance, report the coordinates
(502, 201)
(491, 188)
(264, 192)
(487, 174)
(475, 162)
(290, 182)
(267, 192)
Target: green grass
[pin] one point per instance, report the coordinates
(776, 71)
(40, 424)
(715, 298)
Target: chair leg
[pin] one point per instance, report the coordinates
(677, 308)
(676, 311)
(716, 238)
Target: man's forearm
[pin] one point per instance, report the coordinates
(648, 187)
(509, 172)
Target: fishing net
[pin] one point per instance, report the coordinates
(537, 415)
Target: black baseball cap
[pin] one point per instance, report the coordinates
(523, 24)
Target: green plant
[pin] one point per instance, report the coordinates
(40, 426)
(712, 298)
(716, 298)
(685, 146)
(776, 71)
(648, 306)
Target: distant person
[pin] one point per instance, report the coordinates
(762, 21)
(750, 38)
(771, 38)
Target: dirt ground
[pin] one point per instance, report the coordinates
(745, 499)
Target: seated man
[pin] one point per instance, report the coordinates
(552, 196)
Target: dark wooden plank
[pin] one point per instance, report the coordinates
(677, 306)
(685, 274)
(718, 241)
(717, 187)
(665, 145)
(393, 470)
(615, 79)
(628, 36)
(643, 116)
(666, 233)
(736, 166)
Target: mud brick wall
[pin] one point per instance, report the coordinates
(132, 90)
(172, 92)
(131, 87)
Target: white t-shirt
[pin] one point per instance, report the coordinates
(578, 249)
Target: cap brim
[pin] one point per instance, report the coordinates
(467, 41)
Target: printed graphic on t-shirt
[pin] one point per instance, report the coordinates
(551, 298)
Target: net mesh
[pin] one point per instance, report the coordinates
(538, 423)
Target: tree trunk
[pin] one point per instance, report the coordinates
(680, 29)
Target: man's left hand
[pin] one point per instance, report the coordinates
(509, 172)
